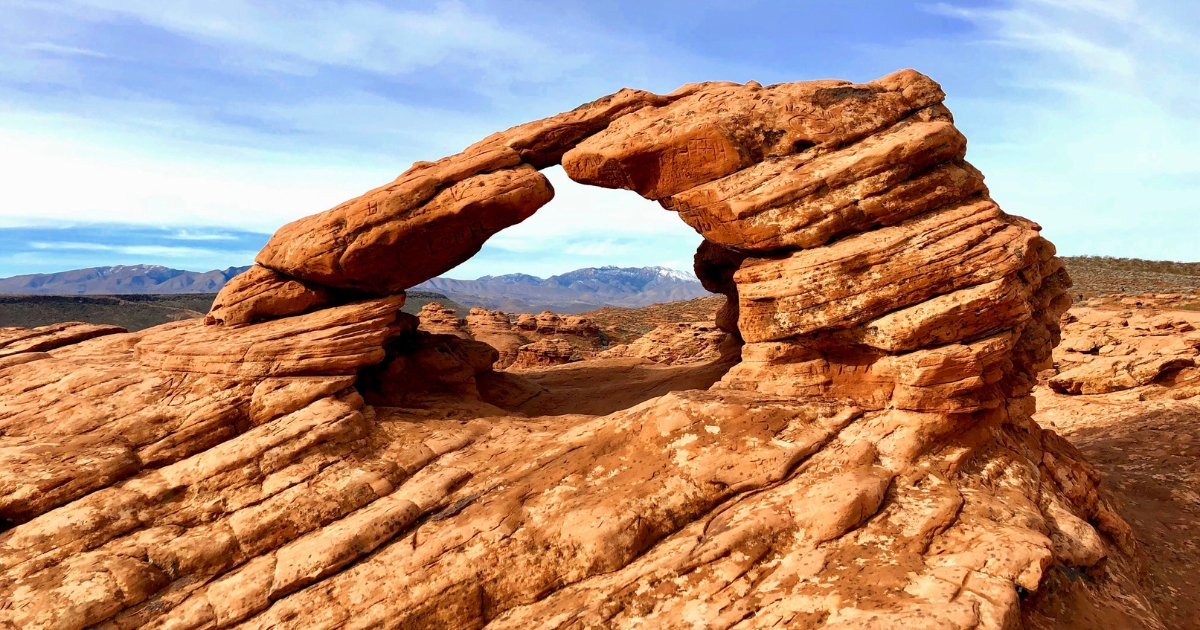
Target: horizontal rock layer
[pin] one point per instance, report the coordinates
(544, 353)
(17, 341)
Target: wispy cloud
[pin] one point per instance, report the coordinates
(1090, 107)
(585, 227)
(184, 235)
(607, 247)
(301, 36)
(150, 251)
(34, 249)
(51, 47)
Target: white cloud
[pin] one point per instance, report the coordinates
(600, 247)
(88, 247)
(52, 180)
(1093, 105)
(299, 34)
(597, 212)
(584, 226)
(185, 235)
(1086, 123)
(155, 251)
(51, 47)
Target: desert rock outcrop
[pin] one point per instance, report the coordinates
(15, 340)
(260, 293)
(1109, 351)
(499, 331)
(872, 461)
(549, 324)
(676, 344)
(442, 320)
(715, 266)
(545, 353)
(1139, 422)
(495, 329)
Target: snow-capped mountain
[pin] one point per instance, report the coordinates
(572, 292)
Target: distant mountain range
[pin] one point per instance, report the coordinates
(573, 292)
(120, 280)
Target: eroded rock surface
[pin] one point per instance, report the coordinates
(260, 293)
(1144, 438)
(545, 353)
(871, 462)
(1108, 351)
(442, 320)
(676, 344)
(15, 341)
(540, 334)
(496, 330)
(548, 324)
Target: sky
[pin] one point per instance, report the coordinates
(184, 133)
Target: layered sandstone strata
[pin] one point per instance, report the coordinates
(261, 293)
(545, 353)
(442, 320)
(495, 329)
(529, 331)
(15, 340)
(1108, 351)
(870, 463)
(676, 344)
(548, 324)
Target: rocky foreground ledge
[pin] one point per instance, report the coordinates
(870, 462)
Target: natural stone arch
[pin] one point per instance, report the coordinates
(858, 233)
(872, 461)
(682, 149)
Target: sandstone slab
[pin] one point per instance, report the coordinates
(260, 293)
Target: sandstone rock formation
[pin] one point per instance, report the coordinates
(715, 266)
(15, 341)
(549, 324)
(1107, 351)
(676, 344)
(583, 335)
(423, 365)
(495, 329)
(872, 461)
(440, 320)
(544, 353)
(1144, 438)
(260, 293)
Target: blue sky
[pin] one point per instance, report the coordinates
(184, 133)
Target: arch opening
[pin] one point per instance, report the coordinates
(553, 361)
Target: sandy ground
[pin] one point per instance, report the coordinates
(1149, 455)
(602, 386)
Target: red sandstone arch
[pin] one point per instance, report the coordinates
(872, 462)
(702, 151)
(857, 231)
